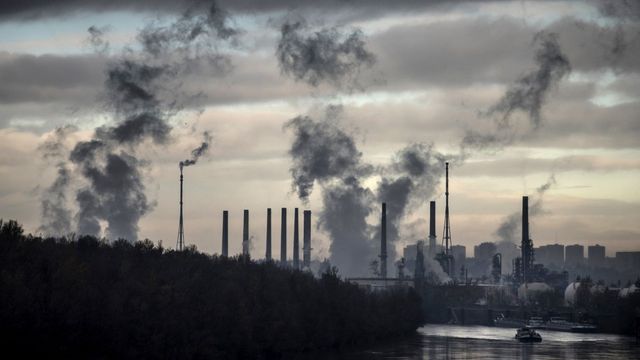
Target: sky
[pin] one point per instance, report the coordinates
(514, 94)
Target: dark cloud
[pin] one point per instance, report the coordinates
(516, 167)
(33, 10)
(620, 9)
(49, 78)
(327, 55)
(474, 52)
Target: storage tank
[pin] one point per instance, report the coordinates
(624, 292)
(598, 289)
(570, 293)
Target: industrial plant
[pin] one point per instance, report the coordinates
(501, 277)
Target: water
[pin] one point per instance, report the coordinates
(481, 342)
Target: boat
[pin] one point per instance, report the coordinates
(560, 324)
(526, 334)
(583, 328)
(536, 322)
(505, 322)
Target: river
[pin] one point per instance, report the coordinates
(482, 342)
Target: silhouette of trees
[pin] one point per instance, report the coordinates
(91, 298)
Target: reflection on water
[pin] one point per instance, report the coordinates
(481, 342)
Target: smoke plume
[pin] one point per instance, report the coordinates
(322, 151)
(411, 179)
(198, 152)
(327, 55)
(142, 92)
(96, 39)
(510, 228)
(527, 94)
(55, 213)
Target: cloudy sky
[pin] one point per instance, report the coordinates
(418, 73)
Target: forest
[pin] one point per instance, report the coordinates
(91, 298)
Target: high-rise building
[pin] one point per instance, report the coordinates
(574, 255)
(628, 260)
(550, 255)
(484, 251)
(596, 255)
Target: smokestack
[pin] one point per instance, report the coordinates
(245, 234)
(180, 242)
(268, 255)
(525, 238)
(283, 238)
(306, 247)
(225, 233)
(383, 242)
(432, 229)
(296, 241)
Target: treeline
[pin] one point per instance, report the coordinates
(89, 298)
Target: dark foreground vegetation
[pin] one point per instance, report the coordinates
(91, 299)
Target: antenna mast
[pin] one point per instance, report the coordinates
(180, 242)
(446, 258)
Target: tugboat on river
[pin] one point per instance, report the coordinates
(526, 334)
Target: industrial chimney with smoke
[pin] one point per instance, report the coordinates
(527, 244)
(180, 241)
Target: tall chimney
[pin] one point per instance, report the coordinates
(296, 240)
(268, 255)
(306, 247)
(525, 239)
(283, 238)
(225, 233)
(383, 242)
(432, 229)
(245, 234)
